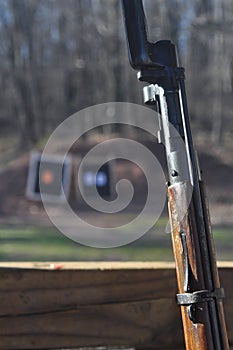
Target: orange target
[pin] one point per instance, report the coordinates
(47, 177)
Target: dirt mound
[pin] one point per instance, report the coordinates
(13, 179)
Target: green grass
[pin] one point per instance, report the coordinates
(47, 244)
(223, 238)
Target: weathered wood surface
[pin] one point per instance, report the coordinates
(186, 236)
(95, 304)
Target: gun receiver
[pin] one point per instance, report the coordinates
(199, 293)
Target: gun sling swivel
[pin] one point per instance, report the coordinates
(200, 296)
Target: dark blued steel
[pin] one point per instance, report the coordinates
(142, 53)
(135, 25)
(204, 327)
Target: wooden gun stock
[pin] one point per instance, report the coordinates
(195, 317)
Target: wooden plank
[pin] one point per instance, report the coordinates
(100, 265)
(93, 265)
(64, 305)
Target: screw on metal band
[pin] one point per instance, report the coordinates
(199, 296)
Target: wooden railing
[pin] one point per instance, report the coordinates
(67, 305)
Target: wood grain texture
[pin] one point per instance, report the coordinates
(94, 304)
(196, 335)
(194, 251)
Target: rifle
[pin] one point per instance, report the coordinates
(199, 292)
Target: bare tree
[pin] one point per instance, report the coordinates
(58, 57)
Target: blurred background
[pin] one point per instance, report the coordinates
(60, 56)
